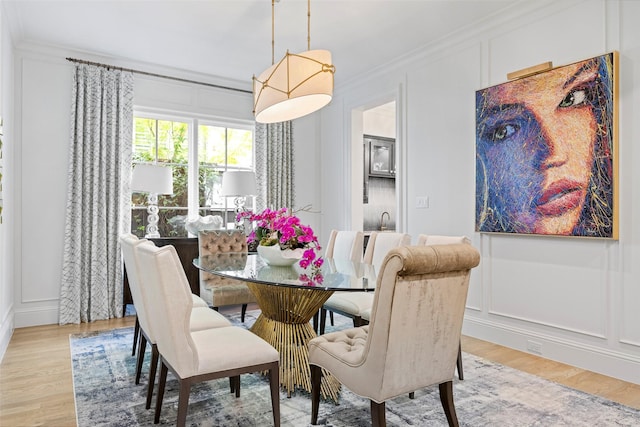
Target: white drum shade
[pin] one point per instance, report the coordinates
(297, 85)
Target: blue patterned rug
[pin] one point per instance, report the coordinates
(491, 395)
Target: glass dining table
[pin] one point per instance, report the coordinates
(287, 305)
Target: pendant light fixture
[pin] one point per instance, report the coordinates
(299, 84)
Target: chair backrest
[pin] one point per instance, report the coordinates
(212, 242)
(432, 239)
(345, 245)
(418, 310)
(128, 245)
(380, 244)
(171, 306)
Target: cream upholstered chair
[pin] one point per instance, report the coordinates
(195, 356)
(429, 240)
(353, 304)
(201, 317)
(221, 291)
(344, 248)
(197, 302)
(414, 334)
(434, 239)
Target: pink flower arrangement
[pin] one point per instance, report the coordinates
(283, 228)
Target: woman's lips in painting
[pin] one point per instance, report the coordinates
(560, 197)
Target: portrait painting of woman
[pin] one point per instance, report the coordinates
(545, 151)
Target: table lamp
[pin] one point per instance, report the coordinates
(239, 184)
(152, 179)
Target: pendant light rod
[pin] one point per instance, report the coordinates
(308, 24)
(273, 32)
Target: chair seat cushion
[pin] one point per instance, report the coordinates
(231, 348)
(206, 318)
(353, 303)
(198, 302)
(344, 347)
(366, 315)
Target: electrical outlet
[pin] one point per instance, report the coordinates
(534, 347)
(422, 202)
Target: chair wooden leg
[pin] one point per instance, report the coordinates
(412, 395)
(323, 320)
(161, 384)
(331, 317)
(141, 350)
(357, 321)
(378, 418)
(183, 402)
(152, 374)
(316, 377)
(236, 385)
(274, 384)
(136, 336)
(243, 311)
(459, 363)
(446, 398)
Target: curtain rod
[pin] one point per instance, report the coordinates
(145, 73)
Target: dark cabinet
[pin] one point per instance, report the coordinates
(381, 156)
(187, 249)
(379, 161)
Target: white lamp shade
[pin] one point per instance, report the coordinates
(152, 179)
(238, 183)
(297, 85)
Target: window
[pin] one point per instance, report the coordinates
(198, 151)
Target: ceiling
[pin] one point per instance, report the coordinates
(231, 39)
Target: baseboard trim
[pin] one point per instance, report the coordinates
(36, 317)
(613, 363)
(6, 332)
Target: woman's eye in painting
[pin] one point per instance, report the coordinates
(574, 98)
(502, 132)
(581, 96)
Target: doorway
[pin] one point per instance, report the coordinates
(379, 168)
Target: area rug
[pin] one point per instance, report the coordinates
(490, 395)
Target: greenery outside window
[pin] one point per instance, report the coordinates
(198, 151)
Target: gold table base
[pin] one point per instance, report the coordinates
(284, 323)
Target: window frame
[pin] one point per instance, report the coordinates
(194, 121)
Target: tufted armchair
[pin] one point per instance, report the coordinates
(430, 240)
(413, 338)
(221, 291)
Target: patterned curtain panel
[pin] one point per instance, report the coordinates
(98, 196)
(274, 165)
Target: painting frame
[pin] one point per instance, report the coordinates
(547, 152)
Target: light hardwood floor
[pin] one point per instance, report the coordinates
(36, 387)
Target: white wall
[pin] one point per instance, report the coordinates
(6, 228)
(576, 298)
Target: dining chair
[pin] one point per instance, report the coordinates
(222, 291)
(196, 356)
(344, 247)
(197, 301)
(353, 304)
(414, 334)
(429, 240)
(201, 317)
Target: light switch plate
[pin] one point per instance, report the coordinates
(422, 202)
